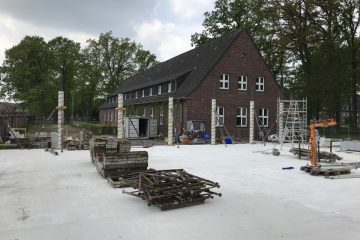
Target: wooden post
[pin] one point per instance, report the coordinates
(120, 118)
(213, 121)
(170, 121)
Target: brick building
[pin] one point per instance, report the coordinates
(11, 114)
(229, 69)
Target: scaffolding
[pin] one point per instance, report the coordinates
(292, 121)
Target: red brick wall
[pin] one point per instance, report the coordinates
(242, 58)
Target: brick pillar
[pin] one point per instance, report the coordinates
(170, 121)
(213, 121)
(120, 117)
(60, 118)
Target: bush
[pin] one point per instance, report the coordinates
(97, 129)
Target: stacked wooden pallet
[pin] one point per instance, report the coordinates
(171, 189)
(326, 157)
(113, 158)
(328, 169)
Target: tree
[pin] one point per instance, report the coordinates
(259, 18)
(144, 59)
(28, 76)
(119, 59)
(66, 61)
(350, 21)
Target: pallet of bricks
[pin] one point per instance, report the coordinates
(114, 160)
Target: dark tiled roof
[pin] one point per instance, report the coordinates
(196, 63)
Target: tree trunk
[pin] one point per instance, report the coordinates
(354, 87)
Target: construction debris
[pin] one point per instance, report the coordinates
(72, 143)
(171, 189)
(325, 157)
(51, 150)
(344, 176)
(113, 158)
(329, 169)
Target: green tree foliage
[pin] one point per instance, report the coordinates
(66, 64)
(119, 59)
(311, 46)
(34, 70)
(28, 75)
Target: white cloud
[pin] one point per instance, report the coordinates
(165, 38)
(13, 30)
(190, 8)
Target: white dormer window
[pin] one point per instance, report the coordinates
(224, 81)
(150, 92)
(159, 89)
(136, 94)
(260, 84)
(242, 83)
(143, 93)
(169, 87)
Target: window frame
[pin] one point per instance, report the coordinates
(218, 117)
(223, 81)
(240, 114)
(242, 81)
(260, 84)
(159, 90)
(152, 112)
(262, 117)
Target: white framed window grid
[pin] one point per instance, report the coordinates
(264, 117)
(220, 119)
(242, 83)
(260, 84)
(241, 117)
(224, 81)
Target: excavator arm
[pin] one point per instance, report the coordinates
(313, 126)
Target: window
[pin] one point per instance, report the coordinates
(264, 117)
(151, 112)
(220, 116)
(136, 94)
(169, 87)
(150, 92)
(241, 117)
(242, 83)
(224, 81)
(155, 90)
(159, 89)
(143, 93)
(111, 116)
(144, 112)
(173, 85)
(161, 119)
(260, 84)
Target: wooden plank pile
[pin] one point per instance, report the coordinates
(171, 189)
(328, 170)
(113, 158)
(325, 157)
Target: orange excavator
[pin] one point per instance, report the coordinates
(313, 125)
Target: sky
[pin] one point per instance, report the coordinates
(162, 26)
